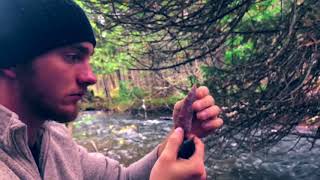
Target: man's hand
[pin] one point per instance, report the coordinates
(207, 112)
(169, 167)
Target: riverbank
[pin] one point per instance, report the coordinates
(135, 107)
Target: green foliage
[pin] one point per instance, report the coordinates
(193, 80)
(264, 11)
(126, 93)
(261, 15)
(112, 49)
(107, 60)
(262, 88)
(165, 101)
(239, 50)
(127, 96)
(83, 120)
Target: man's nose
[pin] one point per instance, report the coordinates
(86, 75)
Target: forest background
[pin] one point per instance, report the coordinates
(259, 58)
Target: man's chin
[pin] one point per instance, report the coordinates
(65, 115)
(65, 118)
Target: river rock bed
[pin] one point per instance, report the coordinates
(127, 139)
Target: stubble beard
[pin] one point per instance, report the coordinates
(39, 103)
(50, 112)
(45, 109)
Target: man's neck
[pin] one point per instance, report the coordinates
(32, 121)
(10, 99)
(33, 129)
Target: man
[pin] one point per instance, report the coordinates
(44, 71)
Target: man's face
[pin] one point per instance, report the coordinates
(56, 81)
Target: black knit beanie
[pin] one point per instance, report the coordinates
(30, 28)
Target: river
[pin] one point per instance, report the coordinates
(127, 139)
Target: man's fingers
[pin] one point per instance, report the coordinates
(201, 92)
(212, 124)
(173, 143)
(209, 113)
(203, 103)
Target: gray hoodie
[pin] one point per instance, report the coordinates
(60, 157)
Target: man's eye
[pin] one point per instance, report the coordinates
(73, 58)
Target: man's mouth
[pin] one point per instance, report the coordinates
(76, 96)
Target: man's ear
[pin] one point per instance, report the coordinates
(10, 73)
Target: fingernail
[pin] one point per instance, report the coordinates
(178, 130)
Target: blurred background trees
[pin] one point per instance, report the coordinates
(259, 58)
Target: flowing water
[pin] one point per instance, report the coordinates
(127, 139)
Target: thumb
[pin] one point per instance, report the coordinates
(173, 143)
